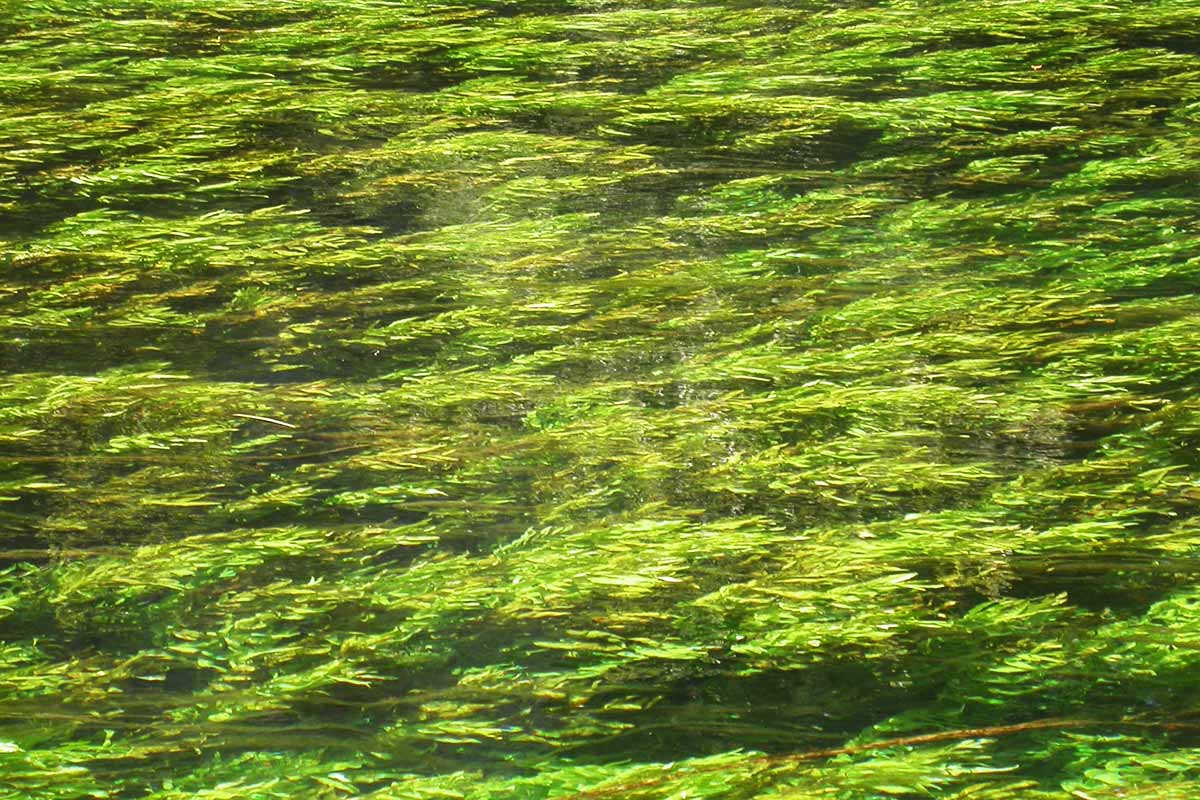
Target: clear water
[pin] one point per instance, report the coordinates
(536, 400)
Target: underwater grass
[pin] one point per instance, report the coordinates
(599, 399)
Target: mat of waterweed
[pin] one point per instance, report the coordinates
(598, 399)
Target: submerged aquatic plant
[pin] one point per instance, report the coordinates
(590, 399)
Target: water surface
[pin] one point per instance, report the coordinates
(599, 399)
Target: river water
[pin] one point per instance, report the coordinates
(599, 399)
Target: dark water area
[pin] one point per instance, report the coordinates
(594, 399)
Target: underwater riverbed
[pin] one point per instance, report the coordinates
(596, 399)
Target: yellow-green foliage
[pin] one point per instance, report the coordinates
(598, 399)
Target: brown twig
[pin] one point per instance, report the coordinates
(988, 732)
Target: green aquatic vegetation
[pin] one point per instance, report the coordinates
(588, 399)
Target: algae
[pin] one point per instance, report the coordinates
(588, 399)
